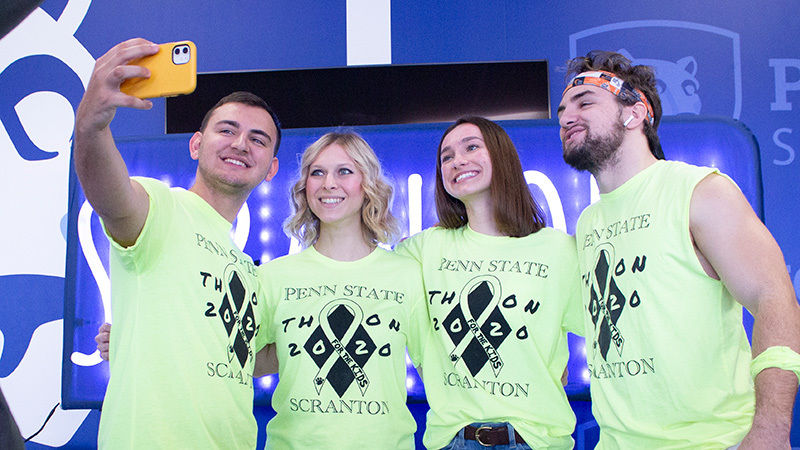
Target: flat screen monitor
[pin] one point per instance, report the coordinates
(377, 95)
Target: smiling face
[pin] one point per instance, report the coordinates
(591, 127)
(465, 164)
(333, 188)
(235, 151)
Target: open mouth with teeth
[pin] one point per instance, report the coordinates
(235, 162)
(331, 201)
(465, 175)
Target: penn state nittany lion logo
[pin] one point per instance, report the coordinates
(676, 83)
(701, 72)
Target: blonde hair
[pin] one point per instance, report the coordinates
(377, 222)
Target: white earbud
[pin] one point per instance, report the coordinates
(627, 121)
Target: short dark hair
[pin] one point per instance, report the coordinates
(515, 211)
(250, 99)
(639, 77)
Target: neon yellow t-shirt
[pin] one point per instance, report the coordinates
(185, 309)
(667, 352)
(341, 330)
(500, 308)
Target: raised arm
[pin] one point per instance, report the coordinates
(742, 252)
(120, 202)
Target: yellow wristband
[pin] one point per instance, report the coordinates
(781, 357)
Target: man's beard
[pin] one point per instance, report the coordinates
(595, 152)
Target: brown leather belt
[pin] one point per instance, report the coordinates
(490, 436)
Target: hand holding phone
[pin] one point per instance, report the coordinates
(173, 71)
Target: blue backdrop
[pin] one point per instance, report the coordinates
(739, 61)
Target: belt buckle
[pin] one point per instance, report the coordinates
(478, 435)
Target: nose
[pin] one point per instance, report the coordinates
(330, 181)
(458, 159)
(566, 118)
(240, 142)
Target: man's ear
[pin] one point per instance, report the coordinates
(639, 113)
(634, 115)
(194, 145)
(273, 169)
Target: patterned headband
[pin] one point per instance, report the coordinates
(613, 84)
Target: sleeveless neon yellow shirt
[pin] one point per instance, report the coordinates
(668, 355)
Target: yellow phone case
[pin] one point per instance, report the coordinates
(173, 71)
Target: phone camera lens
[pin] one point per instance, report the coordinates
(185, 50)
(177, 51)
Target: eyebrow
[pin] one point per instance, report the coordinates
(572, 99)
(464, 140)
(347, 165)
(235, 124)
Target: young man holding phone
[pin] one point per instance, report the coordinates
(185, 299)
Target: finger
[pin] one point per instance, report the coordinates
(105, 328)
(129, 101)
(127, 51)
(103, 349)
(101, 339)
(133, 42)
(108, 67)
(119, 74)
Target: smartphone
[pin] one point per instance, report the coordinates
(173, 71)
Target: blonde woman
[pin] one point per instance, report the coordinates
(343, 310)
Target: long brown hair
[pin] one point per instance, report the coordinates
(515, 211)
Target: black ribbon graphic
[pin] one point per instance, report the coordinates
(606, 303)
(341, 348)
(477, 314)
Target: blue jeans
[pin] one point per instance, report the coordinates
(459, 443)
